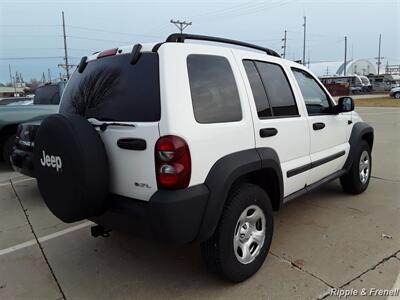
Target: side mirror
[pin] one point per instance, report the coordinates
(345, 104)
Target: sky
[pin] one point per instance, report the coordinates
(31, 40)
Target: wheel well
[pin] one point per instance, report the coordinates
(369, 138)
(267, 180)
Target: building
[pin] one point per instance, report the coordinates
(353, 67)
(9, 91)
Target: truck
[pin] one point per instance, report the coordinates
(45, 102)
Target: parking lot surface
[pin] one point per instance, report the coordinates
(323, 240)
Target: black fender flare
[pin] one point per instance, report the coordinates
(358, 132)
(224, 173)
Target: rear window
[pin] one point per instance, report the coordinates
(112, 89)
(47, 94)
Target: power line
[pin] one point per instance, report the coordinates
(95, 39)
(243, 9)
(30, 57)
(29, 35)
(225, 10)
(234, 11)
(113, 32)
(29, 25)
(255, 10)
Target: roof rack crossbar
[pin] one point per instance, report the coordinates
(181, 37)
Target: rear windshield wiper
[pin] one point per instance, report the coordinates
(103, 126)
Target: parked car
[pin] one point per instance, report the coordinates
(22, 153)
(16, 101)
(395, 92)
(45, 102)
(354, 83)
(187, 142)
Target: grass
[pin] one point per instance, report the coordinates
(377, 102)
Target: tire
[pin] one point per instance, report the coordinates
(8, 148)
(354, 182)
(219, 251)
(71, 167)
(396, 95)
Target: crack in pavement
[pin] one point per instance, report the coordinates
(300, 269)
(326, 294)
(384, 179)
(38, 242)
(366, 271)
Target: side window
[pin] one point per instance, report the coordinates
(215, 96)
(259, 95)
(317, 101)
(277, 88)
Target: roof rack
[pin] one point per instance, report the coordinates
(181, 37)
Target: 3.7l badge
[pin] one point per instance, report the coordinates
(142, 185)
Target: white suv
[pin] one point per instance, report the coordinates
(187, 142)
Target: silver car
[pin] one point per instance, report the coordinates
(395, 92)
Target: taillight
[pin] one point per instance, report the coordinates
(173, 164)
(109, 52)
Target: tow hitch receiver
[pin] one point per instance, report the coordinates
(99, 230)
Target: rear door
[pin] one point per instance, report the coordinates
(279, 122)
(125, 97)
(328, 131)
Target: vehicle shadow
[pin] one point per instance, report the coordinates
(121, 264)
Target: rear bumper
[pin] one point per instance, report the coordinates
(170, 216)
(22, 162)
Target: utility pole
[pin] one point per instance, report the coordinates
(11, 80)
(9, 70)
(345, 56)
(65, 47)
(181, 25)
(304, 40)
(379, 54)
(284, 45)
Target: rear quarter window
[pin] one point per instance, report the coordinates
(213, 88)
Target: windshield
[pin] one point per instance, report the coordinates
(113, 89)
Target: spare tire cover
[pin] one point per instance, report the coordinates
(71, 167)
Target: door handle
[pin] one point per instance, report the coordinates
(266, 132)
(132, 144)
(318, 126)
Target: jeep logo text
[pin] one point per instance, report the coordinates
(51, 161)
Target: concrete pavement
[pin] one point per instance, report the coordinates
(324, 240)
